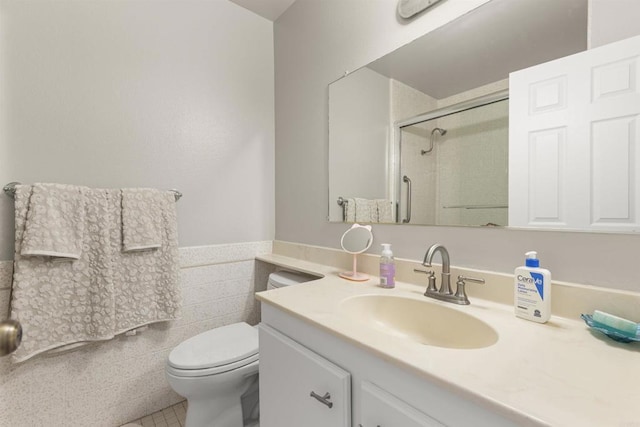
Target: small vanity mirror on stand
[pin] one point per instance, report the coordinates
(356, 240)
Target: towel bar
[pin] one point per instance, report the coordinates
(343, 202)
(10, 190)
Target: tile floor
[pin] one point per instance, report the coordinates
(173, 416)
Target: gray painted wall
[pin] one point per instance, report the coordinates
(612, 20)
(167, 94)
(316, 41)
(179, 94)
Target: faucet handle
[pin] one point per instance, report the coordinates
(460, 290)
(432, 280)
(464, 279)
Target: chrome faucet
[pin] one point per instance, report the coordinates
(445, 281)
(445, 293)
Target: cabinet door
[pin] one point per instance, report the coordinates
(298, 387)
(382, 409)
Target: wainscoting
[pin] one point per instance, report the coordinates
(107, 384)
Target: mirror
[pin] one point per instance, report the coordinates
(454, 162)
(452, 167)
(356, 240)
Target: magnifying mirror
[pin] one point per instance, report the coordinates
(356, 240)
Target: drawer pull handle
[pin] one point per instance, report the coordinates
(326, 399)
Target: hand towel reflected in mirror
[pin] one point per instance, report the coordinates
(369, 210)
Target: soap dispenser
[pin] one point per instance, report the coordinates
(533, 290)
(387, 267)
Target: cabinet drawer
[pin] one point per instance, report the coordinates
(382, 409)
(289, 374)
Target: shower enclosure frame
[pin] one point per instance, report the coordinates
(431, 115)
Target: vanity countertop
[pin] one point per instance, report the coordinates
(559, 373)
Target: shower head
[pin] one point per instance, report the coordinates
(441, 132)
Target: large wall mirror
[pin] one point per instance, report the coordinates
(420, 136)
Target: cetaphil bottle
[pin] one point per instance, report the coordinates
(532, 290)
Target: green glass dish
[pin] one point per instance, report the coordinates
(614, 334)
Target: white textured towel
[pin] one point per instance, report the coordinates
(105, 291)
(141, 222)
(366, 210)
(385, 210)
(60, 303)
(146, 283)
(55, 220)
(350, 210)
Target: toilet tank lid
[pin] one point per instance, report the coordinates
(286, 278)
(216, 347)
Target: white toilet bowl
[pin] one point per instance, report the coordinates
(213, 370)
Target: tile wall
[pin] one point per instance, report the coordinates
(107, 384)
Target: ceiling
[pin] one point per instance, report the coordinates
(487, 44)
(270, 9)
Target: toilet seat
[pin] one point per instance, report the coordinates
(213, 371)
(214, 352)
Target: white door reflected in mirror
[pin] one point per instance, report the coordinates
(355, 241)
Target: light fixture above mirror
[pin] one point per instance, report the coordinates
(410, 8)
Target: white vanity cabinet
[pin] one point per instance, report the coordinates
(298, 357)
(382, 409)
(299, 387)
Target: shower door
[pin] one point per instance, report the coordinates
(457, 167)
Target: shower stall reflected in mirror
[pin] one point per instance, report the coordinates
(453, 165)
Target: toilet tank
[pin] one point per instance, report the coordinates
(283, 278)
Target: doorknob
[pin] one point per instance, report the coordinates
(10, 336)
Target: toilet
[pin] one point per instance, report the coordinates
(283, 278)
(217, 370)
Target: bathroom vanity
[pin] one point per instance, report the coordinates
(297, 359)
(338, 353)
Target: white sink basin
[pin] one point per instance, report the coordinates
(421, 321)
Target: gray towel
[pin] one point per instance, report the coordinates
(60, 303)
(385, 210)
(350, 210)
(141, 221)
(147, 287)
(366, 210)
(55, 221)
(105, 291)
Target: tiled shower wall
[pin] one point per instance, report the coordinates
(109, 383)
(408, 102)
